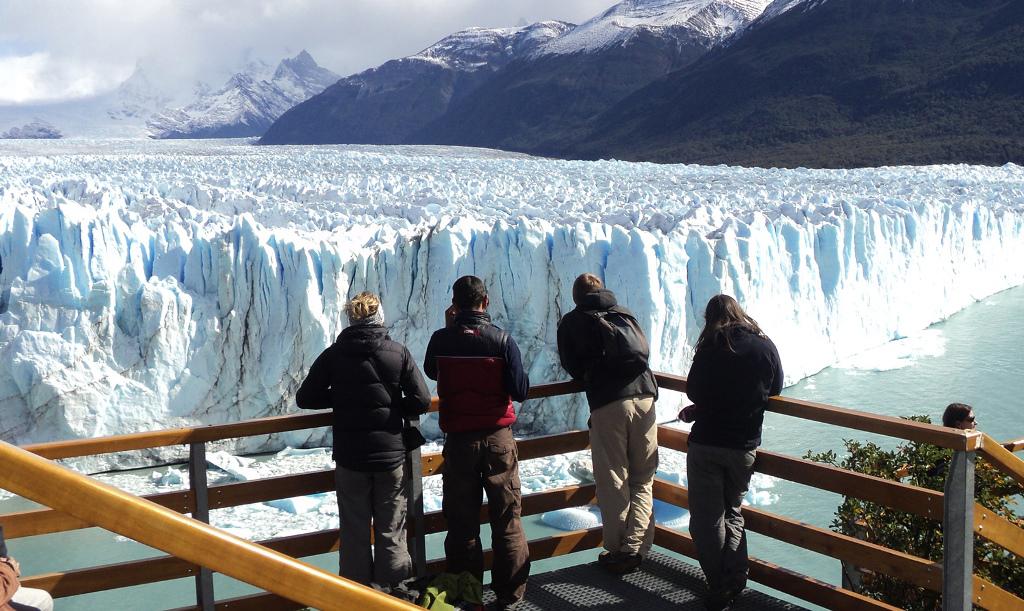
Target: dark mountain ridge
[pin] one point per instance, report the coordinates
(843, 83)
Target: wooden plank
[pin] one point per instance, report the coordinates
(533, 504)
(47, 521)
(912, 499)
(998, 530)
(548, 547)
(535, 447)
(271, 488)
(1002, 459)
(669, 381)
(941, 436)
(913, 569)
(111, 576)
(784, 580)
(162, 568)
(169, 437)
(988, 595)
(1015, 445)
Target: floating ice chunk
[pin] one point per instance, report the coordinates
(900, 353)
(172, 477)
(298, 504)
(235, 466)
(572, 518)
(290, 451)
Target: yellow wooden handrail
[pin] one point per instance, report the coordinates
(40, 480)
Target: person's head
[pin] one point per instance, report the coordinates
(584, 285)
(364, 308)
(959, 416)
(721, 315)
(470, 294)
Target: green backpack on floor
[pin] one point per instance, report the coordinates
(448, 590)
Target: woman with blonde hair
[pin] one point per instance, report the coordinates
(373, 385)
(735, 369)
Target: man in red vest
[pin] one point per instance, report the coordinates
(479, 373)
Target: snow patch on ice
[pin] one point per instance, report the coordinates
(899, 353)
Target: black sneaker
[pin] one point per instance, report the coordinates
(620, 563)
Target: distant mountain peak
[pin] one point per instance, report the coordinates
(476, 47)
(711, 19)
(248, 103)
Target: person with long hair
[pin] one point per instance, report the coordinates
(736, 367)
(372, 384)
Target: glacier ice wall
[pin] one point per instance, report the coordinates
(151, 285)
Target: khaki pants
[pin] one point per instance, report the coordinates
(717, 479)
(377, 498)
(485, 462)
(624, 445)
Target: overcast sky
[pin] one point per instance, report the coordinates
(54, 50)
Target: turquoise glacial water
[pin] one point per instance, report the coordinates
(974, 357)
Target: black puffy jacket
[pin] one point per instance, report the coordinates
(580, 349)
(372, 384)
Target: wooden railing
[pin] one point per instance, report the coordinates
(955, 510)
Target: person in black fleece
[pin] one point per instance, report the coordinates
(623, 427)
(373, 385)
(735, 369)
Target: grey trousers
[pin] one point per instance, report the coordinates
(374, 498)
(624, 446)
(718, 479)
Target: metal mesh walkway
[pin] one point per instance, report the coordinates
(661, 583)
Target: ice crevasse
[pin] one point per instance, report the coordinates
(142, 290)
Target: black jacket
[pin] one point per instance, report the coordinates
(372, 384)
(731, 388)
(580, 347)
(478, 385)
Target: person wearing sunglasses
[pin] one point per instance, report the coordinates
(959, 416)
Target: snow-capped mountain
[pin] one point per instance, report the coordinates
(491, 49)
(778, 7)
(708, 20)
(138, 98)
(247, 104)
(387, 104)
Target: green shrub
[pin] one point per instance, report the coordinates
(922, 465)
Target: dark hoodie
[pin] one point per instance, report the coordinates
(372, 384)
(580, 348)
(731, 388)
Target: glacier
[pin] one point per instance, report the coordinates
(147, 285)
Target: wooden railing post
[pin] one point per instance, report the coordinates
(958, 533)
(417, 542)
(201, 495)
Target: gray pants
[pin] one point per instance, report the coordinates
(624, 446)
(718, 479)
(377, 498)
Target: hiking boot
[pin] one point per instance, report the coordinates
(720, 600)
(619, 563)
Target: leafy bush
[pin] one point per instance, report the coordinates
(922, 465)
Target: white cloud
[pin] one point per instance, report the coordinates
(41, 78)
(70, 49)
